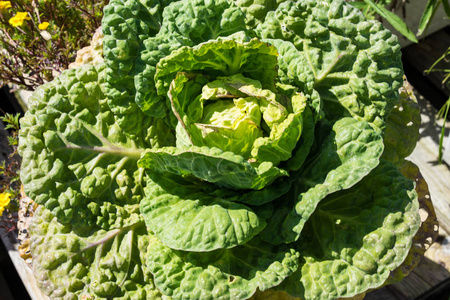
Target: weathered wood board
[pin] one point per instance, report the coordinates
(25, 273)
(426, 157)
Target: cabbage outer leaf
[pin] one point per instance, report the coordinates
(357, 237)
(350, 152)
(221, 274)
(77, 160)
(191, 185)
(402, 127)
(429, 227)
(224, 169)
(256, 11)
(87, 262)
(224, 57)
(356, 63)
(194, 221)
(124, 25)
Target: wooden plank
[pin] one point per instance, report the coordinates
(440, 292)
(439, 252)
(425, 156)
(431, 272)
(410, 287)
(423, 279)
(22, 269)
(384, 293)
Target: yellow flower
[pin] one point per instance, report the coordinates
(4, 201)
(5, 4)
(43, 25)
(18, 19)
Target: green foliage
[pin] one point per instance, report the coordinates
(443, 111)
(214, 155)
(44, 40)
(387, 10)
(78, 264)
(404, 119)
(429, 12)
(349, 243)
(393, 19)
(77, 161)
(205, 222)
(10, 173)
(9, 170)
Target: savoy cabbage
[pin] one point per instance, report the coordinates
(224, 147)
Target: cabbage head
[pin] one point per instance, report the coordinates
(223, 148)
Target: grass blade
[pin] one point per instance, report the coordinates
(446, 7)
(441, 139)
(358, 5)
(428, 15)
(432, 68)
(394, 20)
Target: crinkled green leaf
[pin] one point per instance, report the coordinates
(184, 23)
(221, 274)
(152, 50)
(232, 125)
(256, 10)
(281, 114)
(224, 57)
(429, 227)
(125, 24)
(351, 150)
(199, 21)
(393, 19)
(294, 67)
(402, 127)
(259, 197)
(427, 16)
(77, 160)
(184, 96)
(231, 119)
(283, 138)
(235, 114)
(191, 185)
(304, 144)
(201, 222)
(356, 63)
(357, 237)
(91, 263)
(224, 169)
